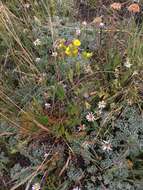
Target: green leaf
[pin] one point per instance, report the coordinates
(70, 75)
(78, 68)
(43, 120)
(73, 109)
(60, 92)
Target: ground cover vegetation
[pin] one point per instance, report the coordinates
(71, 95)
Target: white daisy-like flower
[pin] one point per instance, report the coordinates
(37, 59)
(46, 155)
(127, 63)
(106, 146)
(76, 188)
(54, 54)
(101, 25)
(84, 23)
(90, 117)
(36, 186)
(78, 31)
(37, 42)
(47, 105)
(102, 104)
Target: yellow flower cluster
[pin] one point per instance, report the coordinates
(72, 49)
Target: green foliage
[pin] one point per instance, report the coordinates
(56, 145)
(4, 162)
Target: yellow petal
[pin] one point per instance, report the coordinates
(75, 51)
(76, 42)
(87, 54)
(68, 51)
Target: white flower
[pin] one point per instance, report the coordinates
(106, 145)
(37, 59)
(44, 74)
(46, 155)
(81, 127)
(127, 63)
(90, 117)
(101, 25)
(78, 31)
(36, 186)
(101, 104)
(54, 54)
(47, 105)
(37, 42)
(76, 188)
(84, 23)
(27, 5)
(135, 73)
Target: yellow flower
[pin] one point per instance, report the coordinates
(75, 51)
(76, 42)
(68, 51)
(71, 50)
(61, 46)
(87, 54)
